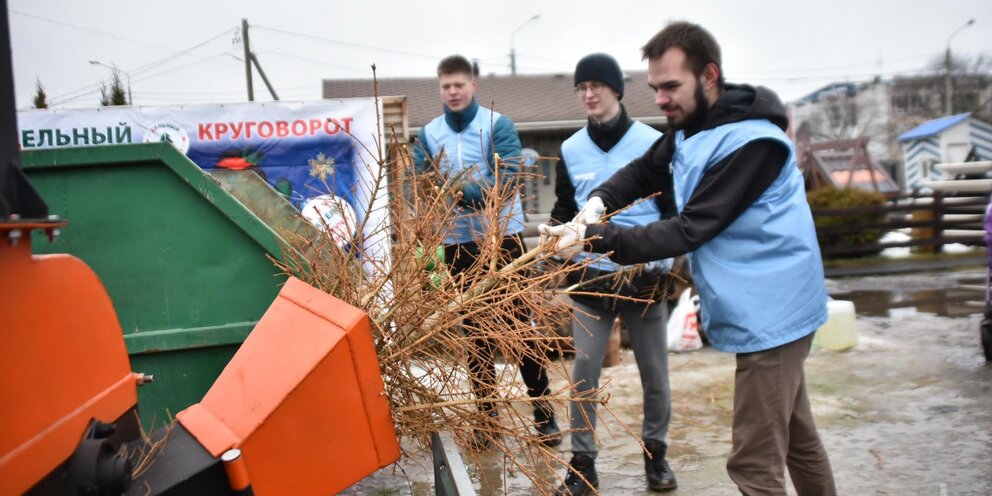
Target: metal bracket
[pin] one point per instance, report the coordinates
(450, 476)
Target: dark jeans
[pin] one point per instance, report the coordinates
(482, 371)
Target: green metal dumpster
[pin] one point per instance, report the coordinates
(185, 263)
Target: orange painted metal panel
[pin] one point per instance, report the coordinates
(303, 399)
(63, 358)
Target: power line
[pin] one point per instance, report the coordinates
(541, 59)
(860, 76)
(223, 96)
(166, 99)
(173, 69)
(290, 55)
(844, 66)
(180, 53)
(219, 92)
(498, 61)
(346, 43)
(88, 89)
(96, 31)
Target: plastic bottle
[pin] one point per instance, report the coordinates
(840, 332)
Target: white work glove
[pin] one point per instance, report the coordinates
(592, 212)
(566, 239)
(659, 266)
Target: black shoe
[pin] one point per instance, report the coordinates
(660, 475)
(483, 438)
(574, 485)
(547, 426)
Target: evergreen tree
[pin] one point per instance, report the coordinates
(115, 94)
(40, 97)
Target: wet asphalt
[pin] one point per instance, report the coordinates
(907, 411)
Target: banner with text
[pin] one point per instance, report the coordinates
(303, 149)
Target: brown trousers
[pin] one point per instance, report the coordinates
(773, 425)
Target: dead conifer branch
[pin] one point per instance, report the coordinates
(427, 322)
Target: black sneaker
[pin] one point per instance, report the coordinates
(547, 427)
(660, 475)
(574, 485)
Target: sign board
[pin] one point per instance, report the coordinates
(303, 149)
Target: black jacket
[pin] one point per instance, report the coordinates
(605, 136)
(643, 285)
(725, 191)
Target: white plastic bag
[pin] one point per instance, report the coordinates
(683, 326)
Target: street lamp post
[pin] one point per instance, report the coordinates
(513, 51)
(115, 68)
(948, 91)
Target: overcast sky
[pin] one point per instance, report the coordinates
(184, 51)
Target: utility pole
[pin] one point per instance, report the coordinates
(948, 89)
(265, 79)
(244, 40)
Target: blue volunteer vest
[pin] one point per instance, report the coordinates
(589, 166)
(760, 280)
(471, 150)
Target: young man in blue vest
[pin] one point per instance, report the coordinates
(589, 157)
(747, 229)
(469, 135)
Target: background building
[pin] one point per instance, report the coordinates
(957, 138)
(883, 110)
(543, 107)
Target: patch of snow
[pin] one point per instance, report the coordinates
(954, 248)
(895, 237)
(902, 252)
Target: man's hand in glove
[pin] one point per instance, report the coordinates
(592, 212)
(659, 266)
(565, 239)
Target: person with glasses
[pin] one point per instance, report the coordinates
(469, 136)
(609, 141)
(745, 223)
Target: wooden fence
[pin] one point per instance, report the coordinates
(933, 220)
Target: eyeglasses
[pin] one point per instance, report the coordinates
(594, 86)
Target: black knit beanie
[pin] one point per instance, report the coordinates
(600, 67)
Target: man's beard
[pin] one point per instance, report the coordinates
(695, 119)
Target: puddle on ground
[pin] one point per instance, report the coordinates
(958, 295)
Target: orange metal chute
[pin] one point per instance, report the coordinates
(64, 360)
(303, 399)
